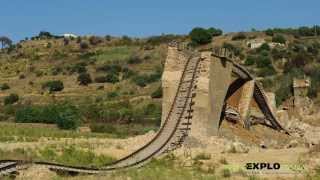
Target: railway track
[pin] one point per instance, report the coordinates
(259, 94)
(171, 134)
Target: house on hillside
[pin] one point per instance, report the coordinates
(255, 43)
(274, 44)
(69, 35)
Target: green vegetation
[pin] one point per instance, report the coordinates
(69, 155)
(202, 156)
(157, 93)
(4, 87)
(74, 157)
(84, 79)
(226, 173)
(11, 99)
(279, 39)
(297, 32)
(65, 115)
(11, 132)
(166, 168)
(53, 86)
(144, 79)
(200, 36)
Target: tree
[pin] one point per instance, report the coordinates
(200, 36)
(215, 32)
(45, 34)
(279, 39)
(69, 117)
(84, 79)
(269, 32)
(5, 42)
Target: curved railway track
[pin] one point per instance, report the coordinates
(171, 134)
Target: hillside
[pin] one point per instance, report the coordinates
(80, 95)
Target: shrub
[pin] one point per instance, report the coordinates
(53, 86)
(11, 99)
(114, 68)
(45, 34)
(107, 38)
(279, 39)
(200, 36)
(84, 79)
(144, 79)
(226, 173)
(79, 68)
(140, 80)
(94, 40)
(65, 115)
(112, 78)
(103, 128)
(84, 45)
(284, 91)
(239, 36)
(69, 117)
(126, 40)
(263, 61)
(134, 60)
(267, 71)
(250, 60)
(4, 86)
(264, 47)
(22, 76)
(215, 32)
(157, 93)
(112, 94)
(127, 73)
(269, 32)
(39, 73)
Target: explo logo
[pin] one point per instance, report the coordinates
(262, 166)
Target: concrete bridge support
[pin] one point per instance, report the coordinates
(213, 82)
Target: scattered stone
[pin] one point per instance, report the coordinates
(263, 146)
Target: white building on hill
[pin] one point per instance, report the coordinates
(69, 35)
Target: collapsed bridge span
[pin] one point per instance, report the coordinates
(180, 112)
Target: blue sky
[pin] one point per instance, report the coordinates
(25, 18)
